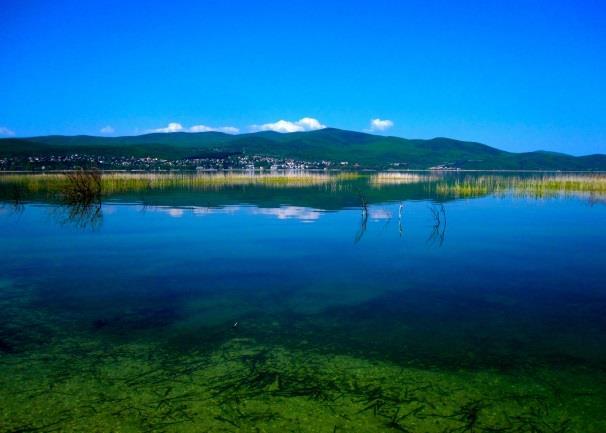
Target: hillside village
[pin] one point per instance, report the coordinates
(129, 163)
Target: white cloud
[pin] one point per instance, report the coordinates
(200, 128)
(380, 125)
(175, 212)
(379, 214)
(289, 212)
(228, 210)
(304, 124)
(310, 124)
(172, 127)
(228, 129)
(204, 128)
(177, 127)
(107, 130)
(5, 131)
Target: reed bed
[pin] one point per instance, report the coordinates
(20, 186)
(121, 182)
(543, 186)
(112, 183)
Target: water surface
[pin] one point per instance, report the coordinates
(349, 307)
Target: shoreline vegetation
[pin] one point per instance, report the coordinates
(537, 187)
(105, 184)
(92, 185)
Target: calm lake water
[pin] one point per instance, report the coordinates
(324, 308)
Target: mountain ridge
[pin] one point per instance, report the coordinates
(361, 149)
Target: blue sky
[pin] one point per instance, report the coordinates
(519, 75)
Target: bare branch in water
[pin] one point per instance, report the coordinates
(439, 227)
(400, 214)
(83, 186)
(81, 197)
(363, 203)
(364, 220)
(80, 215)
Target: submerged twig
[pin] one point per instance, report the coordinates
(439, 227)
(364, 220)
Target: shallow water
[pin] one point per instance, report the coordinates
(296, 309)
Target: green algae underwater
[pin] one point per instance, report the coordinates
(317, 306)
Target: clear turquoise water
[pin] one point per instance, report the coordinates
(301, 316)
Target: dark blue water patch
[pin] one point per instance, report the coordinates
(513, 282)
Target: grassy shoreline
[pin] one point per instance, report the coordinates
(54, 185)
(544, 186)
(112, 183)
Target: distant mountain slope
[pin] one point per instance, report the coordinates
(367, 150)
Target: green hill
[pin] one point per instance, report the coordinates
(367, 150)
